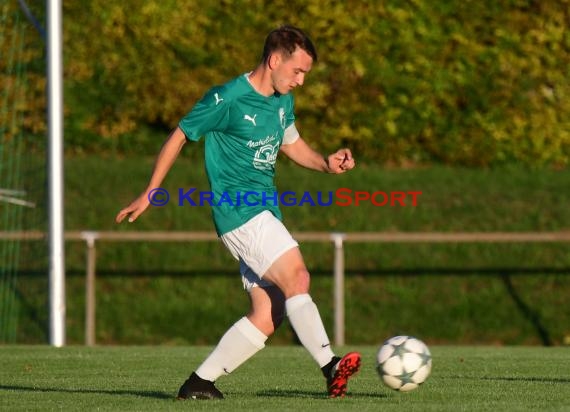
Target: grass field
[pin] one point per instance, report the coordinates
(146, 378)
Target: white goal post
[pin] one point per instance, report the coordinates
(55, 179)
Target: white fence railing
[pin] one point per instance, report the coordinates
(337, 239)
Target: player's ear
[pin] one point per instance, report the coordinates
(274, 60)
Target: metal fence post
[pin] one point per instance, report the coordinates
(338, 239)
(90, 238)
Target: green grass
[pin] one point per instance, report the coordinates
(139, 378)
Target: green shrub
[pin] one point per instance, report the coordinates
(455, 82)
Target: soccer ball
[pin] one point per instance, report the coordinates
(403, 363)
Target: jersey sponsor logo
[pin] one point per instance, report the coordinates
(250, 119)
(251, 144)
(266, 156)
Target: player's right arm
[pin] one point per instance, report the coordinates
(166, 157)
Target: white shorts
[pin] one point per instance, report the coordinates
(257, 244)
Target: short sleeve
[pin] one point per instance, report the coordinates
(209, 114)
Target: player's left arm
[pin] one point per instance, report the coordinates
(302, 154)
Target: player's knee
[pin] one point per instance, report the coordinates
(304, 280)
(299, 283)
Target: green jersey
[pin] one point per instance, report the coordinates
(244, 131)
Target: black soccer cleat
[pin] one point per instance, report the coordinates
(197, 388)
(347, 366)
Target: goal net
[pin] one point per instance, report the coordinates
(23, 258)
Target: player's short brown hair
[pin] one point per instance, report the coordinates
(286, 39)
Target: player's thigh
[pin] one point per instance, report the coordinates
(289, 273)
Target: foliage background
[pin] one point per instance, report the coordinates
(458, 82)
(463, 83)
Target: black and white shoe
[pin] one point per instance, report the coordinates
(197, 388)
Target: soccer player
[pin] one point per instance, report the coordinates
(246, 122)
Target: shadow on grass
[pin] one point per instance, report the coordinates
(538, 379)
(144, 394)
(277, 393)
(526, 379)
(284, 393)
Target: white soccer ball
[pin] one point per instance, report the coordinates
(403, 363)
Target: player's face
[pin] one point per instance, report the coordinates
(289, 73)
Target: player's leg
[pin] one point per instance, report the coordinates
(243, 340)
(289, 273)
(268, 248)
(267, 308)
(240, 342)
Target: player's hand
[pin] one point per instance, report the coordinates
(341, 161)
(134, 210)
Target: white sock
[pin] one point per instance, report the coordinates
(239, 343)
(306, 320)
